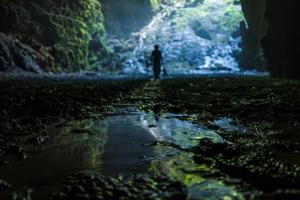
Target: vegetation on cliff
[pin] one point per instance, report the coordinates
(69, 35)
(81, 34)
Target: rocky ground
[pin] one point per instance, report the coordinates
(266, 155)
(262, 156)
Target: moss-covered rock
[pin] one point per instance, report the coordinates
(70, 34)
(81, 33)
(14, 53)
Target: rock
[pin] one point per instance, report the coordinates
(38, 140)
(53, 35)
(17, 151)
(152, 125)
(77, 189)
(16, 56)
(139, 186)
(4, 185)
(284, 194)
(276, 24)
(200, 31)
(251, 57)
(207, 147)
(26, 195)
(119, 14)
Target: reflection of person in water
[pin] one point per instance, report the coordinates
(156, 59)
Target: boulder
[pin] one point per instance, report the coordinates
(16, 56)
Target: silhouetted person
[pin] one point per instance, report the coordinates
(156, 59)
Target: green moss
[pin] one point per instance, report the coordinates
(214, 17)
(232, 16)
(155, 4)
(67, 29)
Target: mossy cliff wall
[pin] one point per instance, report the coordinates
(62, 35)
(276, 23)
(67, 34)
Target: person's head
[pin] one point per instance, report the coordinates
(156, 47)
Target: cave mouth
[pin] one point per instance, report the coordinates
(196, 37)
(117, 37)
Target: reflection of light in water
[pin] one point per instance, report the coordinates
(213, 189)
(66, 154)
(229, 125)
(180, 165)
(87, 145)
(79, 146)
(170, 160)
(146, 122)
(177, 131)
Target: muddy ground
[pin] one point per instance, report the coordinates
(261, 157)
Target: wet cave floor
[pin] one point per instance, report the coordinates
(189, 138)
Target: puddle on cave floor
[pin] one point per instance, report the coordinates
(229, 124)
(120, 143)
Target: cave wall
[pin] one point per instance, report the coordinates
(63, 35)
(252, 33)
(281, 42)
(254, 12)
(275, 23)
(66, 35)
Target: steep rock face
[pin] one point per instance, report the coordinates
(254, 11)
(276, 24)
(125, 17)
(251, 56)
(69, 34)
(14, 53)
(252, 34)
(282, 41)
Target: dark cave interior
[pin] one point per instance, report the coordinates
(81, 118)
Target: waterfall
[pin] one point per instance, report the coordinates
(190, 38)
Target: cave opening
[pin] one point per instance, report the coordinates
(196, 37)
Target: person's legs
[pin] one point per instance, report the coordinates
(156, 71)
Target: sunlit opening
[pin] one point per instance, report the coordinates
(194, 36)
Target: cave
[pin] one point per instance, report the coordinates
(149, 99)
(81, 36)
